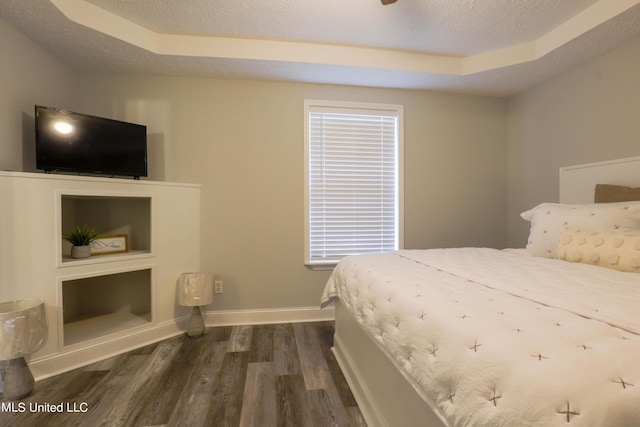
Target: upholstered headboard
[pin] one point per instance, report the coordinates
(577, 183)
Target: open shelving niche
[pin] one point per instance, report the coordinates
(104, 304)
(108, 214)
(100, 304)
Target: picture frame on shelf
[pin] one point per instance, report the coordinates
(110, 244)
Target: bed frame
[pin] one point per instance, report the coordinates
(577, 183)
(385, 397)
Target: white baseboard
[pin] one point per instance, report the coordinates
(66, 360)
(267, 316)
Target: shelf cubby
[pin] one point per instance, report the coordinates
(97, 306)
(108, 215)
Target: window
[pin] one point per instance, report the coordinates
(353, 180)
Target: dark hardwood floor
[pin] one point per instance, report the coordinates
(267, 375)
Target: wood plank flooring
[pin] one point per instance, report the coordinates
(266, 375)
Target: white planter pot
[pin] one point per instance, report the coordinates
(80, 251)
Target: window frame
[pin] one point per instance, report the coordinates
(352, 108)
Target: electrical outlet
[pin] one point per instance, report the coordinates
(217, 286)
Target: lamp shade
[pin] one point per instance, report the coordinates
(23, 328)
(195, 289)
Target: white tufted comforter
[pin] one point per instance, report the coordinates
(501, 338)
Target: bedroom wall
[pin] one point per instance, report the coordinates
(28, 76)
(243, 141)
(587, 114)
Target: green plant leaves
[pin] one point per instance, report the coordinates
(81, 236)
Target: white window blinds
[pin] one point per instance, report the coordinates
(353, 182)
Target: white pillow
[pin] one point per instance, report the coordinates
(549, 219)
(618, 250)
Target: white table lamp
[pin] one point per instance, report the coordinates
(195, 290)
(23, 330)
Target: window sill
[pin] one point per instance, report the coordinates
(321, 267)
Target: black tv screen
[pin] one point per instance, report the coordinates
(74, 142)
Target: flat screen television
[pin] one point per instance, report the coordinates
(74, 142)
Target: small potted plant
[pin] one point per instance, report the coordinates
(80, 238)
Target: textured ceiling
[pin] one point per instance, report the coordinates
(496, 47)
(454, 27)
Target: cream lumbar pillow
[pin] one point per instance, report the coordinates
(620, 251)
(549, 219)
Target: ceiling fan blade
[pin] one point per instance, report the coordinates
(386, 2)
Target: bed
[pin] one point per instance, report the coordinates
(543, 336)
